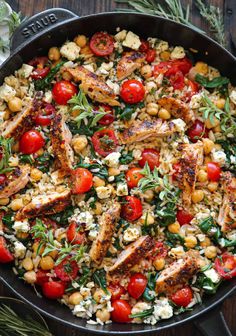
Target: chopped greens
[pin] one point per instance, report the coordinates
(143, 314)
(99, 277)
(211, 83)
(45, 83)
(127, 112)
(62, 218)
(5, 154)
(126, 157)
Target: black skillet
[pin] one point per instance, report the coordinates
(55, 26)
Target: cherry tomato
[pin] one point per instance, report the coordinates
(196, 131)
(53, 289)
(169, 68)
(63, 91)
(177, 170)
(40, 73)
(213, 171)
(194, 87)
(182, 297)
(132, 91)
(39, 61)
(3, 179)
(132, 208)
(82, 180)
(133, 176)
(102, 44)
(137, 285)
(5, 254)
(225, 265)
(41, 277)
(151, 156)
(183, 217)
(183, 65)
(31, 142)
(144, 46)
(108, 118)
(121, 311)
(45, 115)
(159, 251)
(73, 235)
(116, 291)
(177, 80)
(67, 270)
(104, 142)
(151, 55)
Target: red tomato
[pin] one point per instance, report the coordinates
(67, 270)
(45, 115)
(133, 176)
(183, 65)
(82, 180)
(182, 297)
(102, 44)
(197, 131)
(39, 61)
(193, 86)
(108, 118)
(63, 91)
(74, 236)
(169, 68)
(104, 142)
(116, 291)
(137, 285)
(213, 171)
(161, 68)
(5, 254)
(31, 142)
(177, 170)
(132, 91)
(121, 311)
(151, 156)
(151, 55)
(40, 73)
(132, 208)
(159, 251)
(226, 265)
(41, 277)
(3, 179)
(144, 46)
(53, 289)
(177, 80)
(183, 217)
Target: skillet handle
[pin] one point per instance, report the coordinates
(39, 23)
(213, 324)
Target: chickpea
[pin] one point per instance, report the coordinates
(36, 174)
(103, 315)
(212, 123)
(98, 182)
(164, 114)
(36, 249)
(201, 68)
(4, 201)
(86, 51)
(113, 171)
(159, 263)
(79, 143)
(28, 265)
(61, 237)
(6, 114)
(75, 298)
(22, 235)
(47, 263)
(16, 204)
(15, 104)
(190, 242)
(206, 242)
(75, 113)
(152, 109)
(212, 186)
(207, 159)
(174, 227)
(197, 196)
(165, 55)
(146, 71)
(30, 277)
(218, 147)
(80, 40)
(66, 76)
(54, 54)
(148, 195)
(98, 208)
(40, 152)
(98, 294)
(217, 129)
(202, 176)
(210, 252)
(147, 219)
(208, 145)
(53, 254)
(220, 103)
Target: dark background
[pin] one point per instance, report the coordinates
(85, 7)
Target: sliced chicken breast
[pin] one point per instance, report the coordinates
(16, 180)
(128, 63)
(94, 86)
(107, 227)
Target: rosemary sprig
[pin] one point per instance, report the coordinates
(5, 153)
(13, 324)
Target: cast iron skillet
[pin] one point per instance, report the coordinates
(53, 27)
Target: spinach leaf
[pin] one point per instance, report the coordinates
(213, 83)
(62, 217)
(229, 146)
(120, 178)
(205, 283)
(226, 242)
(43, 162)
(96, 168)
(167, 214)
(99, 277)
(24, 158)
(143, 314)
(126, 157)
(127, 112)
(173, 239)
(45, 83)
(152, 278)
(7, 219)
(208, 227)
(91, 193)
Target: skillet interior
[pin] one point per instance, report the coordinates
(143, 25)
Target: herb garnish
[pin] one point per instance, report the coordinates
(45, 83)
(99, 277)
(143, 314)
(211, 83)
(5, 153)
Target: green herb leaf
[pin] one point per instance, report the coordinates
(143, 314)
(99, 277)
(126, 157)
(213, 83)
(5, 153)
(45, 83)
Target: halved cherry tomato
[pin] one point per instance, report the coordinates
(177, 80)
(144, 46)
(133, 176)
(225, 265)
(151, 156)
(82, 180)
(183, 217)
(182, 297)
(101, 44)
(121, 311)
(31, 142)
(137, 285)
(159, 251)
(132, 208)
(169, 68)
(53, 289)
(132, 91)
(5, 254)
(44, 116)
(177, 170)
(74, 236)
(213, 171)
(40, 73)
(63, 91)
(67, 270)
(108, 118)
(116, 291)
(197, 131)
(151, 55)
(41, 277)
(104, 142)
(194, 86)
(39, 61)
(3, 179)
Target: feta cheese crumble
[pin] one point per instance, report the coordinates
(112, 160)
(132, 41)
(212, 275)
(21, 226)
(70, 50)
(19, 250)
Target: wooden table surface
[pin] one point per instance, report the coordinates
(84, 7)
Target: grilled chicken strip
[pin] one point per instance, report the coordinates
(45, 205)
(16, 181)
(142, 130)
(190, 162)
(129, 62)
(61, 138)
(227, 214)
(174, 276)
(93, 86)
(177, 108)
(132, 255)
(107, 227)
(18, 125)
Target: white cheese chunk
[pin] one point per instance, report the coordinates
(19, 250)
(112, 160)
(162, 46)
(48, 97)
(122, 189)
(162, 309)
(25, 71)
(87, 218)
(218, 156)
(21, 226)
(212, 275)
(103, 192)
(132, 41)
(179, 125)
(121, 35)
(70, 50)
(131, 234)
(177, 53)
(7, 92)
